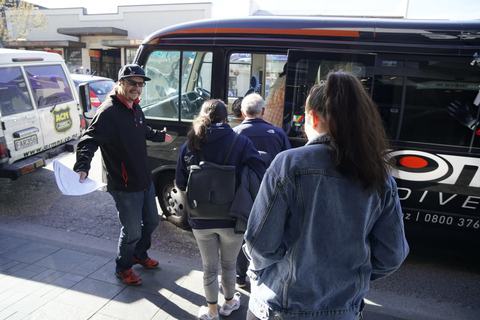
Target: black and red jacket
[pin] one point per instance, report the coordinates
(121, 132)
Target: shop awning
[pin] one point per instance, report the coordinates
(93, 31)
(45, 44)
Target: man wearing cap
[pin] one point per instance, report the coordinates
(120, 131)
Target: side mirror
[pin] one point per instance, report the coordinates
(84, 93)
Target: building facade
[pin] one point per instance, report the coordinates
(102, 43)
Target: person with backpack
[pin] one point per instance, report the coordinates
(209, 139)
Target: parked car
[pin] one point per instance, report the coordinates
(39, 117)
(100, 87)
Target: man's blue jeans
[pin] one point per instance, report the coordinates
(138, 215)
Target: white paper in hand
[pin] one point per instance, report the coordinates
(68, 181)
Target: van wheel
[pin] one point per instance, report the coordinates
(171, 200)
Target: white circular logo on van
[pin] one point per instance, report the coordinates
(418, 166)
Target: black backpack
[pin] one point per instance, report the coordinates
(211, 188)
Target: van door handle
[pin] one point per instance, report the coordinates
(30, 116)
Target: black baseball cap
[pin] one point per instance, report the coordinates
(132, 70)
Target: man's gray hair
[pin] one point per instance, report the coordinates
(253, 104)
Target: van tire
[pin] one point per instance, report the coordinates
(171, 199)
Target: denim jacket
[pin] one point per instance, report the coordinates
(315, 238)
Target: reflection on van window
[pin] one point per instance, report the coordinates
(439, 102)
(387, 94)
(14, 97)
(438, 111)
(181, 82)
(243, 66)
(49, 85)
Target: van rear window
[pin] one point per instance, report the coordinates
(14, 97)
(49, 85)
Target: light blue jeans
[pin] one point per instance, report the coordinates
(218, 247)
(138, 215)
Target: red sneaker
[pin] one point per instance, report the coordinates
(128, 277)
(147, 263)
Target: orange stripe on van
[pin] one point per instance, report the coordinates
(300, 32)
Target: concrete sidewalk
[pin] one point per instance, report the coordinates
(51, 274)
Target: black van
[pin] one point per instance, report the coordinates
(423, 75)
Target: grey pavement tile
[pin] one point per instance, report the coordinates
(133, 304)
(89, 266)
(106, 273)
(55, 310)
(8, 265)
(24, 273)
(90, 294)
(175, 309)
(5, 313)
(29, 286)
(17, 316)
(10, 297)
(4, 261)
(16, 268)
(64, 260)
(10, 282)
(28, 304)
(155, 281)
(68, 280)
(52, 276)
(30, 252)
(98, 316)
(10, 243)
(51, 292)
(43, 275)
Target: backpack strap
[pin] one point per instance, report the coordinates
(230, 149)
(202, 158)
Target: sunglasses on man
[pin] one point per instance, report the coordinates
(135, 83)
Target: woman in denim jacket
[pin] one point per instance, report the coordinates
(217, 241)
(327, 219)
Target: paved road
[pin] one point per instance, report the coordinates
(440, 279)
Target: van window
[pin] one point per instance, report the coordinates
(306, 69)
(181, 82)
(14, 97)
(242, 66)
(387, 94)
(49, 85)
(439, 102)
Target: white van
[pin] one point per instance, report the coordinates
(39, 114)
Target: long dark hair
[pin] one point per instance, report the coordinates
(358, 142)
(213, 111)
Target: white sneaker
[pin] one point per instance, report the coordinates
(226, 309)
(204, 314)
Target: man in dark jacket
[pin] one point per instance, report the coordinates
(119, 129)
(266, 138)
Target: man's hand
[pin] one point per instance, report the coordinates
(168, 138)
(82, 175)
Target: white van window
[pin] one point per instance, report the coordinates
(49, 85)
(14, 97)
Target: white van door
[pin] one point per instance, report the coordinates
(57, 108)
(21, 121)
